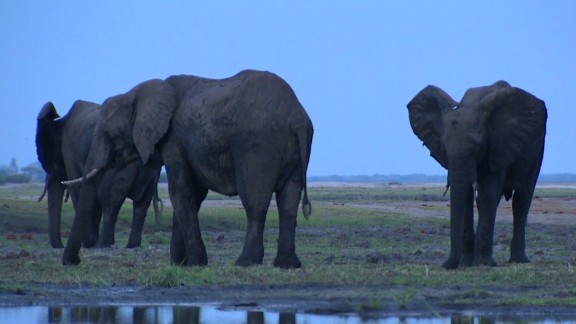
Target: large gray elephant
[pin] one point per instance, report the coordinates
(63, 145)
(246, 135)
(491, 142)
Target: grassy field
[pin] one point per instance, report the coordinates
(352, 242)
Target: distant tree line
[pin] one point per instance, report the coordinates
(33, 172)
(11, 173)
(425, 178)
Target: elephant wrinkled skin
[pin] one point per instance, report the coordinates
(62, 145)
(246, 135)
(491, 142)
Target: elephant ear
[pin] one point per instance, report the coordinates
(516, 119)
(425, 111)
(154, 105)
(48, 141)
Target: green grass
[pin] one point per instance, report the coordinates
(339, 245)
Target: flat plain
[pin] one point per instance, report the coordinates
(367, 248)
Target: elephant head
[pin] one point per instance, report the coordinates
(486, 132)
(132, 124)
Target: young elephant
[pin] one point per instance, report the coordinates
(62, 145)
(495, 138)
(247, 135)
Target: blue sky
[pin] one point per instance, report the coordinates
(354, 65)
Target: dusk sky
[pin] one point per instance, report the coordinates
(354, 65)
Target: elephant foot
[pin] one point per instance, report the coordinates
(57, 245)
(196, 259)
(178, 261)
(200, 259)
(287, 262)
(134, 242)
(467, 260)
(519, 258)
(104, 245)
(90, 243)
(178, 255)
(247, 260)
(131, 245)
(69, 258)
(484, 261)
(451, 264)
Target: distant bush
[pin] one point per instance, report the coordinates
(11, 173)
(14, 178)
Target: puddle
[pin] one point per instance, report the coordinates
(213, 314)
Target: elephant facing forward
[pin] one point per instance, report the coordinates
(246, 135)
(62, 145)
(493, 138)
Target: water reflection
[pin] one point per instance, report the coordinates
(211, 314)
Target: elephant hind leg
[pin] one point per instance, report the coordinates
(288, 199)
(255, 187)
(521, 202)
(256, 207)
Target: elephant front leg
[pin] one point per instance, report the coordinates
(177, 244)
(83, 210)
(288, 200)
(186, 245)
(186, 236)
(92, 237)
(489, 195)
(109, 218)
(138, 220)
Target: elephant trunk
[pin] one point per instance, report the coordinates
(55, 195)
(461, 205)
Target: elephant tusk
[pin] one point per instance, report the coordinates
(81, 179)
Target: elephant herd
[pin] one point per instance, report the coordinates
(248, 135)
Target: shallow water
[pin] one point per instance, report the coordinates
(213, 314)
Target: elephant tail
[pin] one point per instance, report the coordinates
(305, 143)
(158, 205)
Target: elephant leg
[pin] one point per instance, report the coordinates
(288, 199)
(177, 243)
(489, 195)
(468, 239)
(186, 195)
(255, 191)
(110, 217)
(55, 195)
(83, 213)
(92, 237)
(520, 206)
(140, 208)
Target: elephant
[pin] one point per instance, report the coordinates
(492, 144)
(246, 135)
(62, 147)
